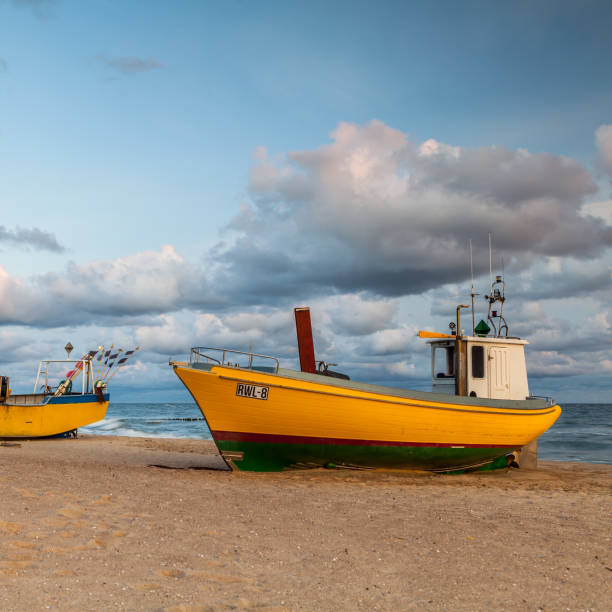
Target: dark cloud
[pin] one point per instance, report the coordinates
(567, 279)
(549, 279)
(130, 65)
(33, 238)
(375, 212)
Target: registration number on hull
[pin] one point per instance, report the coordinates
(252, 391)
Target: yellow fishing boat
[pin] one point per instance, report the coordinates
(79, 398)
(38, 415)
(265, 418)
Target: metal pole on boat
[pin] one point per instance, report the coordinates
(490, 263)
(38, 376)
(460, 357)
(100, 360)
(472, 293)
(90, 368)
(459, 318)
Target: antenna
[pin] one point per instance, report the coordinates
(490, 262)
(472, 292)
(497, 294)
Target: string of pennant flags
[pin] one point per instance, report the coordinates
(106, 361)
(111, 359)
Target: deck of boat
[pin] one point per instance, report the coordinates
(526, 404)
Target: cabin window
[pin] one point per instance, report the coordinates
(444, 362)
(478, 362)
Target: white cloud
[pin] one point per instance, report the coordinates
(144, 283)
(355, 314)
(603, 140)
(163, 334)
(401, 369)
(393, 341)
(373, 211)
(601, 210)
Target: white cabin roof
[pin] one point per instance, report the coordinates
(489, 339)
(499, 340)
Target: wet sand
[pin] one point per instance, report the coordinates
(101, 523)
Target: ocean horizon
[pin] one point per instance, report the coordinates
(583, 432)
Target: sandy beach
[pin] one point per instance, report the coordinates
(104, 523)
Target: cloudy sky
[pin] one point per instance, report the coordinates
(185, 173)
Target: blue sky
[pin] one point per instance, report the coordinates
(178, 173)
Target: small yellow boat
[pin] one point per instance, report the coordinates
(57, 410)
(266, 418)
(40, 415)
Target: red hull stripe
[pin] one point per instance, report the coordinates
(240, 436)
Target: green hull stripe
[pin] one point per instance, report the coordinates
(273, 457)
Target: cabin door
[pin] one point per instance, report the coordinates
(499, 373)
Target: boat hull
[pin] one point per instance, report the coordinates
(269, 454)
(57, 416)
(307, 420)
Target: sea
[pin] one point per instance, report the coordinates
(582, 433)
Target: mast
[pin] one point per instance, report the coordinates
(472, 292)
(497, 295)
(490, 262)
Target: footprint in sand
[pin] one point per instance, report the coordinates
(147, 586)
(93, 544)
(54, 521)
(186, 608)
(56, 550)
(219, 578)
(171, 573)
(105, 499)
(136, 515)
(71, 511)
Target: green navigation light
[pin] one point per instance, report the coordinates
(482, 329)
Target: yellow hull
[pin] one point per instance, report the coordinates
(311, 409)
(60, 415)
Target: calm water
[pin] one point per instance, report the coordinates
(582, 433)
